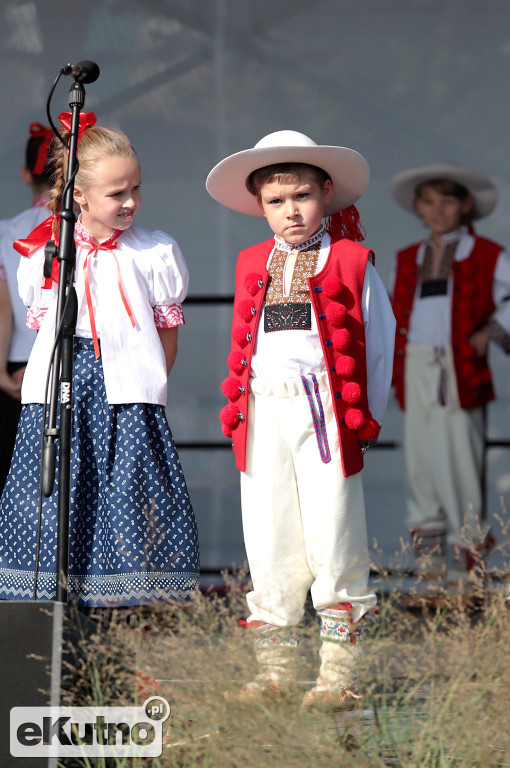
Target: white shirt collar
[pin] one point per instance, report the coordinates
(313, 240)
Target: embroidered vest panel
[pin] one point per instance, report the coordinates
(291, 310)
(335, 294)
(472, 305)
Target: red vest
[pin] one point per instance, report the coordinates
(336, 294)
(472, 305)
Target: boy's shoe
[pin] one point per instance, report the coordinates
(342, 700)
(470, 558)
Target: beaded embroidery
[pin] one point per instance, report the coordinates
(292, 311)
(319, 422)
(337, 627)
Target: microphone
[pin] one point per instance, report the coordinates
(85, 71)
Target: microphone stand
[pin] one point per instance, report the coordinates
(65, 326)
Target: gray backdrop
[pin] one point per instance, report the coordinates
(405, 82)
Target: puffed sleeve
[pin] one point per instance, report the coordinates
(169, 281)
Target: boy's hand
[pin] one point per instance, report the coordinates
(479, 341)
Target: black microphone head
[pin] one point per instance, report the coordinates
(90, 71)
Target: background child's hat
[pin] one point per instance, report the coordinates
(483, 190)
(347, 169)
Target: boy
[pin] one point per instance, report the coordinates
(448, 299)
(307, 392)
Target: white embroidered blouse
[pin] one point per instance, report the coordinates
(135, 288)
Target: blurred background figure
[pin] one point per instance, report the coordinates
(15, 338)
(450, 299)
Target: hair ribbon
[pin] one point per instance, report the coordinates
(86, 120)
(39, 131)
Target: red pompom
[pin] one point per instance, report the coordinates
(253, 282)
(341, 339)
(229, 415)
(481, 379)
(345, 366)
(370, 431)
(237, 362)
(332, 286)
(466, 350)
(351, 392)
(467, 369)
(226, 430)
(354, 419)
(232, 388)
(465, 308)
(336, 314)
(464, 323)
(241, 334)
(246, 310)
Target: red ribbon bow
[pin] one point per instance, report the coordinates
(39, 131)
(109, 245)
(86, 120)
(37, 239)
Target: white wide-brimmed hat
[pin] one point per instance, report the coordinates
(347, 169)
(483, 190)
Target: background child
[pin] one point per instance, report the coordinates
(310, 371)
(16, 339)
(448, 299)
(133, 536)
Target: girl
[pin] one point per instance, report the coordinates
(15, 339)
(133, 537)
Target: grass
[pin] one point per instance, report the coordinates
(435, 684)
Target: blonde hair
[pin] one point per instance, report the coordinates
(95, 143)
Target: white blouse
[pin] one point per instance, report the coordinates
(21, 225)
(153, 274)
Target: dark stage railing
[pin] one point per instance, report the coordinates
(212, 445)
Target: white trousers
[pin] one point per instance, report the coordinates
(304, 522)
(443, 450)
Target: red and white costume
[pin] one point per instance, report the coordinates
(442, 383)
(310, 372)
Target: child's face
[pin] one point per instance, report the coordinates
(441, 213)
(114, 198)
(294, 211)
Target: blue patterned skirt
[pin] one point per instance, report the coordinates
(133, 537)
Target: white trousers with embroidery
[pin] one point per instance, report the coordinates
(304, 522)
(443, 450)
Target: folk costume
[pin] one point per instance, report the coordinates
(21, 338)
(439, 381)
(133, 536)
(309, 378)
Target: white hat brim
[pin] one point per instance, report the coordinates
(348, 170)
(483, 190)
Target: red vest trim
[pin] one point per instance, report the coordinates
(472, 306)
(336, 294)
